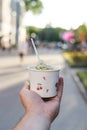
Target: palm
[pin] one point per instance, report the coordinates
(35, 104)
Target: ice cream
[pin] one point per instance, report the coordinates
(42, 66)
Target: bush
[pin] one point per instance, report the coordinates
(83, 77)
(76, 59)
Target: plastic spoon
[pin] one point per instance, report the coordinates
(36, 52)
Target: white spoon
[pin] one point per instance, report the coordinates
(36, 52)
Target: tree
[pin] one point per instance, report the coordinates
(35, 6)
(81, 33)
(32, 29)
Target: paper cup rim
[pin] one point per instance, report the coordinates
(36, 70)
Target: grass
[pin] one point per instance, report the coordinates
(83, 77)
(76, 59)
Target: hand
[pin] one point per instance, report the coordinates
(37, 110)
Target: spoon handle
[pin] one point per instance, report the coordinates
(35, 49)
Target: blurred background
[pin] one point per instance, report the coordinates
(43, 20)
(59, 29)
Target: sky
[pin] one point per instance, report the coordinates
(59, 13)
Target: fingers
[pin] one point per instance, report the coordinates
(24, 91)
(27, 85)
(60, 89)
(59, 86)
(27, 94)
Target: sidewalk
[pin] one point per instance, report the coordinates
(11, 58)
(79, 84)
(6, 53)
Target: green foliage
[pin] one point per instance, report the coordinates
(76, 59)
(35, 6)
(32, 29)
(83, 77)
(81, 28)
(47, 34)
(50, 34)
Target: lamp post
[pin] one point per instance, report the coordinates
(17, 21)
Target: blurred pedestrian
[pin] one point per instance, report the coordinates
(22, 50)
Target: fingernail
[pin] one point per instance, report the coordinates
(27, 84)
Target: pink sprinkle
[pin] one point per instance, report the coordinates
(41, 88)
(38, 88)
(44, 78)
(47, 90)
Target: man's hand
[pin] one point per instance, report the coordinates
(38, 111)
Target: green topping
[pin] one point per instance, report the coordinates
(42, 66)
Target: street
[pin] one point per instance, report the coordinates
(73, 112)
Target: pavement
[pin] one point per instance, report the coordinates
(79, 84)
(73, 112)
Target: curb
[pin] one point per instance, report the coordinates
(79, 85)
(77, 81)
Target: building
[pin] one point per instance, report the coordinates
(11, 29)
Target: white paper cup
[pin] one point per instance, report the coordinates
(43, 82)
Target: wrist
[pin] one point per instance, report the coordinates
(33, 122)
(38, 122)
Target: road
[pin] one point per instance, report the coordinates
(73, 112)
